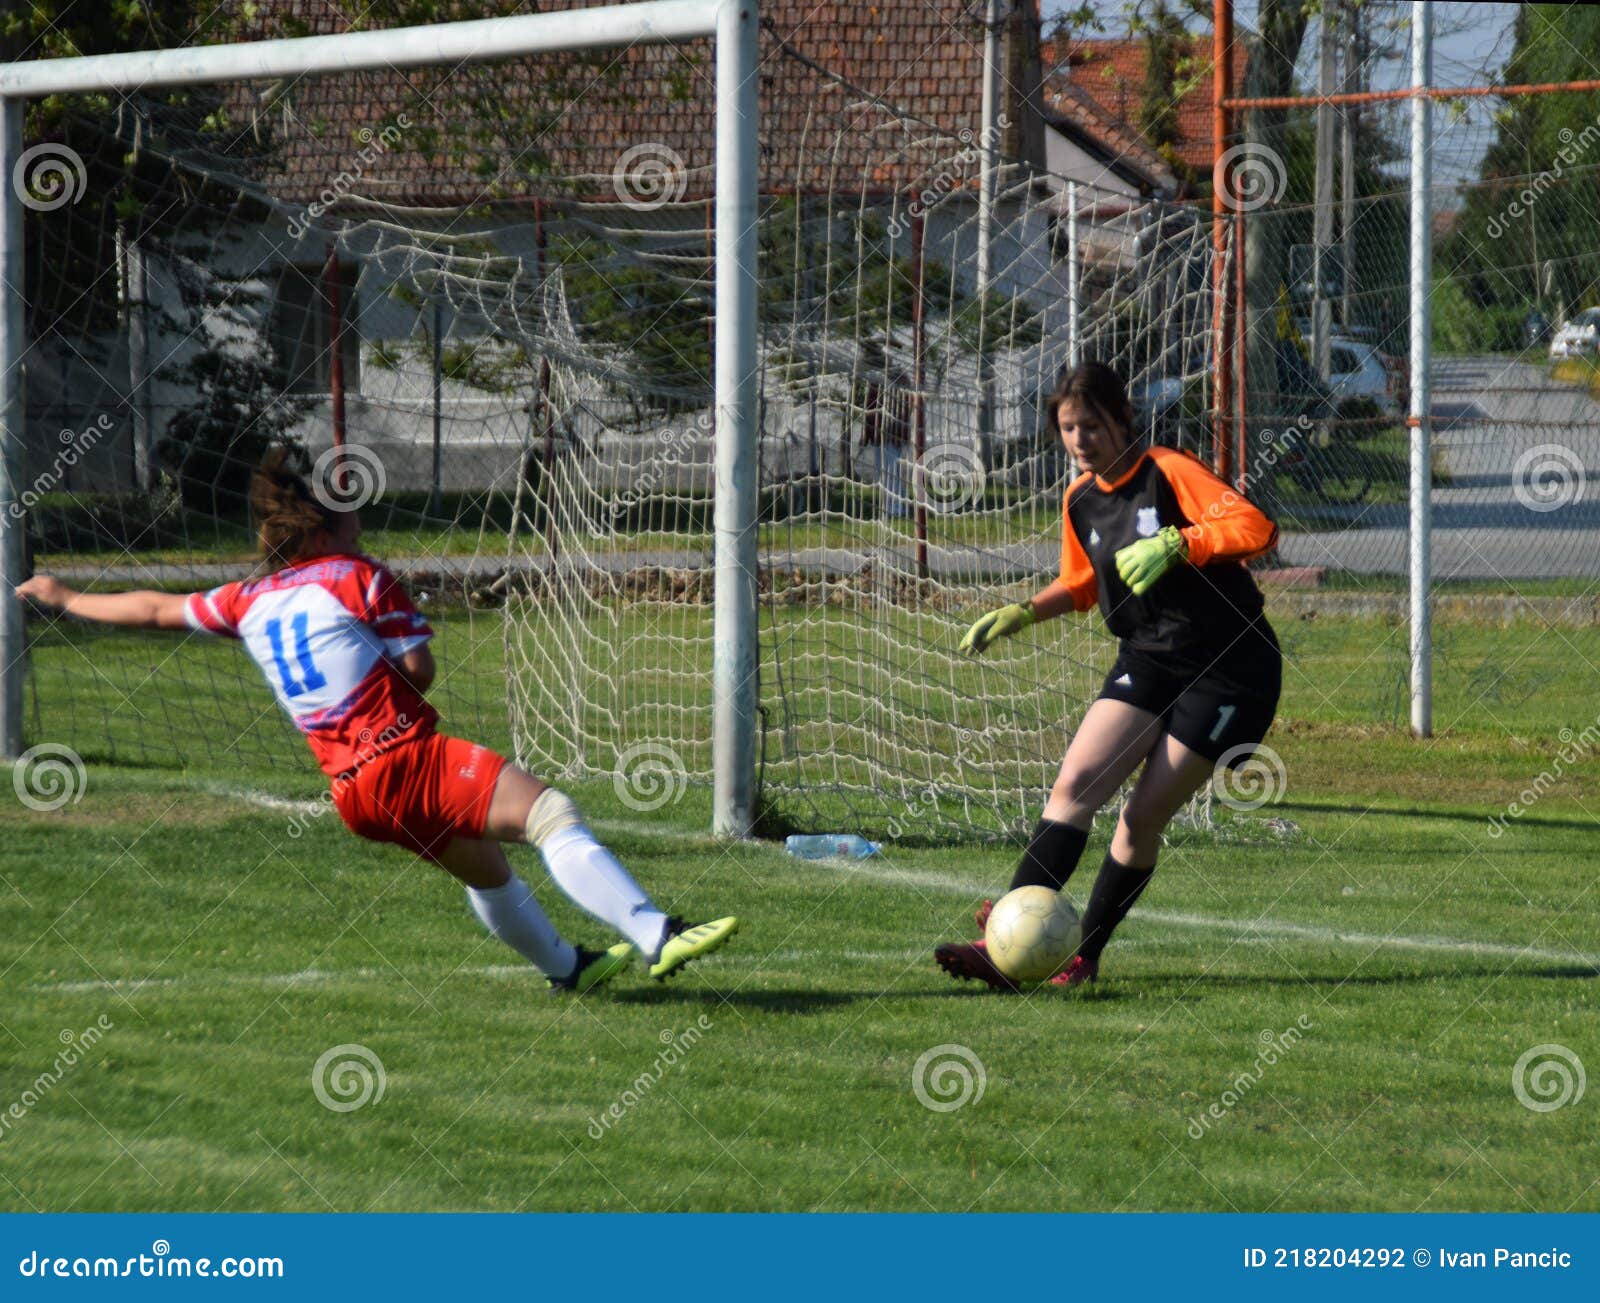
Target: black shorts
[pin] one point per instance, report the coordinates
(1219, 715)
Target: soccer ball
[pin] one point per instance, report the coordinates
(1032, 932)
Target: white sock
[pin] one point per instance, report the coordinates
(512, 914)
(590, 874)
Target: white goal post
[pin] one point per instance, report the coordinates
(732, 24)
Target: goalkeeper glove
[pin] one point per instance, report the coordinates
(1141, 564)
(997, 624)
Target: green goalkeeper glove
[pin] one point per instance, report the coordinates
(997, 624)
(1141, 564)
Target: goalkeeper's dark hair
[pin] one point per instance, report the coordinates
(1099, 388)
(291, 524)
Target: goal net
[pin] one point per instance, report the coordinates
(501, 312)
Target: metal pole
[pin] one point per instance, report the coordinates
(735, 655)
(134, 281)
(1350, 21)
(335, 328)
(1241, 363)
(13, 346)
(438, 404)
(1074, 348)
(986, 196)
(546, 412)
(445, 44)
(892, 412)
(1421, 349)
(1221, 336)
(1322, 232)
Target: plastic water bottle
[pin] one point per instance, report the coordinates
(829, 846)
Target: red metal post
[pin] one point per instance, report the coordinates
(1241, 356)
(1221, 286)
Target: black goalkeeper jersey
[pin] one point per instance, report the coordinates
(1206, 614)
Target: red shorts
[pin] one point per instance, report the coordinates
(421, 794)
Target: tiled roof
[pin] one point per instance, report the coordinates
(1111, 72)
(1078, 112)
(823, 67)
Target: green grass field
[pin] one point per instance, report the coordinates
(1390, 956)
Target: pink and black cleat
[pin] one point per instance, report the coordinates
(1078, 972)
(969, 960)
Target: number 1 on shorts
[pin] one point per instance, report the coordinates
(1224, 714)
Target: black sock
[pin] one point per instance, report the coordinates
(1115, 891)
(1052, 855)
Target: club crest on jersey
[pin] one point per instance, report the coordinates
(1148, 524)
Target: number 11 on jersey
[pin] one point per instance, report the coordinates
(312, 678)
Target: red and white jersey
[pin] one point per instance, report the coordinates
(323, 632)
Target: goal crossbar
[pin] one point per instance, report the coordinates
(733, 26)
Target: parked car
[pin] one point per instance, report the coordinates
(1579, 337)
(1358, 370)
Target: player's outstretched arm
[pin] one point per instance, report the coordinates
(1054, 599)
(139, 609)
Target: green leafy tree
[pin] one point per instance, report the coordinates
(1529, 232)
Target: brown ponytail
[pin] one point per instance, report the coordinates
(290, 522)
(1099, 388)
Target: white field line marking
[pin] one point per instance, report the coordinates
(1259, 929)
(950, 884)
(311, 978)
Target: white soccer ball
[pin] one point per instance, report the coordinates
(1032, 932)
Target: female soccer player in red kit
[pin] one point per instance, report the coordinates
(1159, 543)
(346, 653)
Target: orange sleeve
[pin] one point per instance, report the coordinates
(1227, 525)
(1077, 571)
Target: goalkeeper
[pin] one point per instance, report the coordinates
(1159, 542)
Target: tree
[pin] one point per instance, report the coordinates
(1528, 231)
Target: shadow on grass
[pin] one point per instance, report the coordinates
(1453, 816)
(1564, 971)
(803, 1002)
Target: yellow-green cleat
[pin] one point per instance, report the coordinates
(594, 968)
(684, 943)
